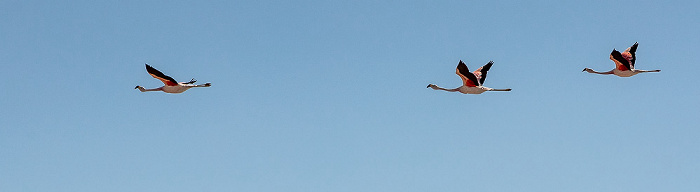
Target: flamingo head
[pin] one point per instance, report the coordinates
(432, 86)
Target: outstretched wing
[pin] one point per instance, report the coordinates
(169, 81)
(468, 79)
(620, 62)
(630, 54)
(480, 73)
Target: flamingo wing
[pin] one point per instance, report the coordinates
(480, 73)
(169, 81)
(468, 79)
(630, 54)
(621, 63)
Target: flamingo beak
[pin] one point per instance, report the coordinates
(428, 86)
(136, 87)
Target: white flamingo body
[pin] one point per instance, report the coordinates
(171, 86)
(624, 63)
(471, 82)
(473, 90)
(627, 73)
(181, 87)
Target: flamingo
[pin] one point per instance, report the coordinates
(171, 86)
(472, 82)
(624, 63)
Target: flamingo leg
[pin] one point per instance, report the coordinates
(647, 71)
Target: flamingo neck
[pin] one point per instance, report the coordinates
(145, 90)
(602, 73)
(440, 88)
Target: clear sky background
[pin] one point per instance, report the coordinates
(331, 96)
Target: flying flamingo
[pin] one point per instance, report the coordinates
(171, 86)
(624, 63)
(472, 82)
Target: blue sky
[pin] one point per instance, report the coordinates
(330, 96)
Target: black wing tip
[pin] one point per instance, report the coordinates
(462, 67)
(150, 69)
(486, 67)
(614, 51)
